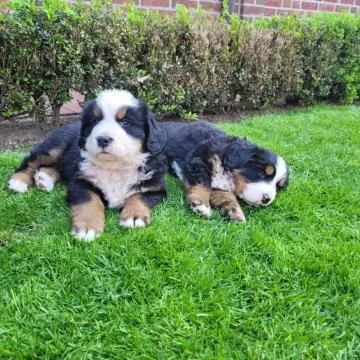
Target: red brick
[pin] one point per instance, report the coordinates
(357, 3)
(326, 7)
(306, 5)
(349, 2)
(155, 3)
(342, 8)
(276, 3)
(353, 10)
(296, 4)
(286, 3)
(188, 3)
(211, 6)
(286, 12)
(333, 1)
(126, 2)
(258, 10)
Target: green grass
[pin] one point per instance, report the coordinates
(285, 285)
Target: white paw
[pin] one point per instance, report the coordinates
(133, 222)
(201, 209)
(85, 234)
(44, 181)
(237, 215)
(18, 185)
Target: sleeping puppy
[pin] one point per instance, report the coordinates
(111, 158)
(215, 168)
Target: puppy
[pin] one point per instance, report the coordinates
(215, 168)
(111, 158)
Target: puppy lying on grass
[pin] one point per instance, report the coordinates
(215, 168)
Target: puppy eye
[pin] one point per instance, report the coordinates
(124, 122)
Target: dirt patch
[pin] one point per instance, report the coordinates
(23, 132)
(17, 134)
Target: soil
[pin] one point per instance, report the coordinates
(22, 132)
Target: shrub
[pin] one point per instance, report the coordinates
(328, 51)
(185, 64)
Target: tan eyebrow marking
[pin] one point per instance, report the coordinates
(269, 170)
(121, 113)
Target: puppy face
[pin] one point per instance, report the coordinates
(258, 174)
(118, 126)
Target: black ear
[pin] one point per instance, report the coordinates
(156, 137)
(237, 155)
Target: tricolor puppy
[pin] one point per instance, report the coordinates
(112, 158)
(215, 168)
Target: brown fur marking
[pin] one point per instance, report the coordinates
(226, 201)
(121, 113)
(27, 175)
(89, 215)
(197, 195)
(135, 208)
(269, 170)
(240, 183)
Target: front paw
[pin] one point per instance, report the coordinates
(236, 214)
(199, 208)
(134, 221)
(85, 234)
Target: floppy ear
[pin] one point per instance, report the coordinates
(156, 137)
(237, 155)
(284, 182)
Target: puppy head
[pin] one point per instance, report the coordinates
(258, 173)
(118, 126)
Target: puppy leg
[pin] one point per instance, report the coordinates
(45, 178)
(198, 197)
(135, 212)
(23, 177)
(87, 211)
(226, 201)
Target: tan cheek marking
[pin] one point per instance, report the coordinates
(135, 208)
(89, 215)
(269, 170)
(198, 194)
(240, 184)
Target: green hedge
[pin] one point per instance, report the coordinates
(185, 64)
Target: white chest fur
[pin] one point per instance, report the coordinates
(116, 183)
(221, 179)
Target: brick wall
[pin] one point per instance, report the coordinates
(250, 8)
(253, 8)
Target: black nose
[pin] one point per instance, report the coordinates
(265, 199)
(104, 141)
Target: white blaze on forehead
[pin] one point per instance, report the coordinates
(110, 101)
(122, 144)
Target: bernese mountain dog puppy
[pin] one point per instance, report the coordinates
(111, 158)
(215, 168)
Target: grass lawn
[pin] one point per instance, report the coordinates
(285, 285)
